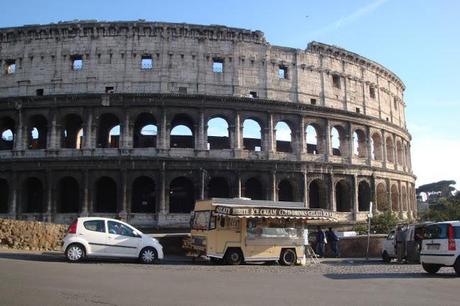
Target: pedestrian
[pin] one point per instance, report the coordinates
(333, 241)
(320, 241)
(401, 233)
(305, 240)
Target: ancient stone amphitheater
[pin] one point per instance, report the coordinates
(139, 119)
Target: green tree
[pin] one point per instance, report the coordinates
(443, 209)
(384, 223)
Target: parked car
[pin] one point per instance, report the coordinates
(441, 247)
(389, 247)
(103, 237)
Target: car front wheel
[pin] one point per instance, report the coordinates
(75, 252)
(148, 255)
(431, 268)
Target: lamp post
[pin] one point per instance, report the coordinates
(369, 217)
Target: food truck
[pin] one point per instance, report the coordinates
(240, 230)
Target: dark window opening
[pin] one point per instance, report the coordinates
(358, 110)
(7, 133)
(313, 101)
(317, 194)
(283, 72)
(145, 131)
(364, 196)
(253, 94)
(109, 90)
(106, 196)
(72, 133)
(217, 65)
(253, 189)
(285, 191)
(342, 197)
(183, 90)
(181, 195)
(33, 196)
(336, 81)
(218, 188)
(4, 196)
(10, 67)
(39, 92)
(395, 103)
(146, 62)
(37, 132)
(108, 131)
(77, 62)
(372, 92)
(69, 196)
(143, 195)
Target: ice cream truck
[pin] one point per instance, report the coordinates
(238, 230)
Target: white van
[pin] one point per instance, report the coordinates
(441, 247)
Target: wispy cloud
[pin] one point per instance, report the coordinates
(346, 20)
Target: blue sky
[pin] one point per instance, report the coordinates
(419, 40)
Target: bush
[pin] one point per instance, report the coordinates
(384, 223)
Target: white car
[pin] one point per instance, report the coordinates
(103, 237)
(388, 252)
(441, 247)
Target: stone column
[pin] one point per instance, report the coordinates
(19, 137)
(239, 191)
(127, 132)
(203, 184)
(124, 192)
(369, 146)
(49, 196)
(274, 187)
(201, 139)
(355, 201)
(88, 130)
(384, 149)
(322, 94)
(327, 141)
(13, 201)
(390, 204)
(301, 139)
(163, 139)
(85, 209)
(269, 135)
(350, 140)
(306, 200)
(51, 135)
(163, 205)
(332, 204)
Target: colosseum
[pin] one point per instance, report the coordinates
(140, 119)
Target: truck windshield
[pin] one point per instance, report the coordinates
(202, 220)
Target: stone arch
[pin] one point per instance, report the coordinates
(218, 187)
(390, 149)
(145, 131)
(343, 196)
(108, 132)
(33, 196)
(394, 198)
(4, 196)
(37, 132)
(399, 152)
(382, 200)
(285, 191)
(68, 196)
(283, 137)
(317, 195)
(406, 156)
(359, 144)
(253, 189)
(338, 140)
(181, 195)
(218, 134)
(143, 196)
(72, 132)
(106, 197)
(252, 134)
(377, 147)
(404, 198)
(364, 196)
(314, 139)
(7, 133)
(182, 133)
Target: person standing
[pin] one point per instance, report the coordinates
(333, 241)
(320, 242)
(401, 233)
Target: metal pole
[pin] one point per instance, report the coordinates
(369, 216)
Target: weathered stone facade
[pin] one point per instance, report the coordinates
(66, 88)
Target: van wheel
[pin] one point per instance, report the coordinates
(148, 255)
(75, 252)
(288, 257)
(386, 258)
(431, 268)
(233, 257)
(457, 266)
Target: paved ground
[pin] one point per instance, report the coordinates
(28, 278)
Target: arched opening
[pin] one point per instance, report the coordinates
(285, 191)
(218, 138)
(390, 150)
(406, 156)
(143, 198)
(218, 188)
(4, 196)
(394, 198)
(181, 195)
(33, 196)
(68, 195)
(314, 139)
(253, 189)
(283, 136)
(359, 144)
(145, 131)
(364, 196)
(399, 151)
(377, 148)
(338, 141)
(106, 195)
(37, 132)
(182, 133)
(342, 196)
(72, 134)
(7, 133)
(404, 198)
(317, 194)
(382, 200)
(108, 135)
(252, 136)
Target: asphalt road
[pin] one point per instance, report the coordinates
(36, 279)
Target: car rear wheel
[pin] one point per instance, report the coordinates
(148, 255)
(75, 252)
(431, 268)
(233, 257)
(386, 258)
(288, 257)
(457, 266)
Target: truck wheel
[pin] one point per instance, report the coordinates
(457, 266)
(431, 268)
(288, 257)
(386, 258)
(233, 257)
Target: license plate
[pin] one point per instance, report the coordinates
(432, 246)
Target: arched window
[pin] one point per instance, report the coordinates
(342, 196)
(394, 198)
(7, 133)
(285, 191)
(38, 130)
(253, 189)
(382, 200)
(359, 144)
(399, 150)
(218, 134)
(364, 196)
(72, 133)
(106, 200)
(390, 150)
(404, 198)
(145, 131)
(108, 131)
(377, 148)
(182, 132)
(338, 141)
(181, 195)
(33, 196)
(283, 137)
(143, 198)
(313, 139)
(218, 188)
(68, 195)
(317, 194)
(252, 136)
